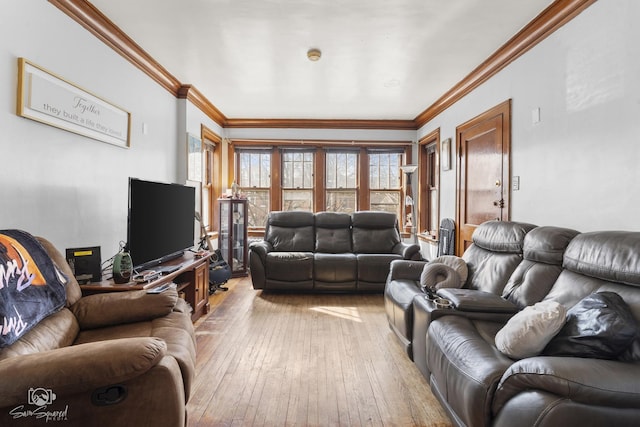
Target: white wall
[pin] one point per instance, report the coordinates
(69, 188)
(578, 167)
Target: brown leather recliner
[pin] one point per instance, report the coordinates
(124, 358)
(493, 256)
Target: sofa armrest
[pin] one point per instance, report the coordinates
(405, 269)
(114, 308)
(479, 301)
(79, 368)
(261, 248)
(407, 250)
(425, 312)
(591, 381)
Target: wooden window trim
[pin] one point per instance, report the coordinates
(321, 147)
(208, 136)
(423, 182)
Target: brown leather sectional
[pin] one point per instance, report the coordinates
(513, 266)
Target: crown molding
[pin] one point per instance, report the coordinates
(102, 27)
(549, 20)
(322, 124)
(552, 18)
(199, 100)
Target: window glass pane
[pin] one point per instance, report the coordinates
(287, 170)
(254, 181)
(297, 169)
(297, 200)
(352, 170)
(384, 170)
(388, 201)
(245, 170)
(433, 213)
(341, 170)
(331, 174)
(341, 201)
(265, 170)
(258, 207)
(255, 169)
(374, 172)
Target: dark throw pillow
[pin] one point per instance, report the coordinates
(600, 326)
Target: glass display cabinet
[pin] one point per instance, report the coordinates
(232, 237)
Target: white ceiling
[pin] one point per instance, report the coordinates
(381, 59)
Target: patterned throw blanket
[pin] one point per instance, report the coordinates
(31, 287)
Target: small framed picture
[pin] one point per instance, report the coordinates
(445, 154)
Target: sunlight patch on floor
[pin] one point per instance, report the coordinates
(349, 313)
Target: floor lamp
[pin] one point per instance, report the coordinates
(410, 200)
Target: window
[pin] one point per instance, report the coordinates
(432, 189)
(207, 213)
(385, 188)
(429, 185)
(337, 176)
(212, 178)
(297, 180)
(341, 181)
(254, 172)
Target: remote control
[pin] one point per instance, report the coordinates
(161, 288)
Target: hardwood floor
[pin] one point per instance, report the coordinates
(271, 359)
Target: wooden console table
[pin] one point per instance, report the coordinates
(192, 278)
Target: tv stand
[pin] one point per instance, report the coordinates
(191, 274)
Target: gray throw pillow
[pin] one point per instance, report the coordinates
(527, 333)
(457, 263)
(436, 276)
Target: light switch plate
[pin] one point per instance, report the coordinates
(535, 116)
(515, 183)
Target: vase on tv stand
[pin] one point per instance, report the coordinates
(122, 267)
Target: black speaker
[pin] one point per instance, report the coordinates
(85, 263)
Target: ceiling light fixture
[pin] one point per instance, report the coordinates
(314, 55)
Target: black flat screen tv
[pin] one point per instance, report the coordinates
(160, 224)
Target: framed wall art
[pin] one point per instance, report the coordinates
(445, 154)
(52, 100)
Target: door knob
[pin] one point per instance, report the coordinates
(498, 183)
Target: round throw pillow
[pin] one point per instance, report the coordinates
(601, 326)
(527, 333)
(435, 276)
(456, 263)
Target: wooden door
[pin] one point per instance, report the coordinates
(483, 171)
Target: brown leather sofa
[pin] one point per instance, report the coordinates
(328, 251)
(125, 358)
(479, 385)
